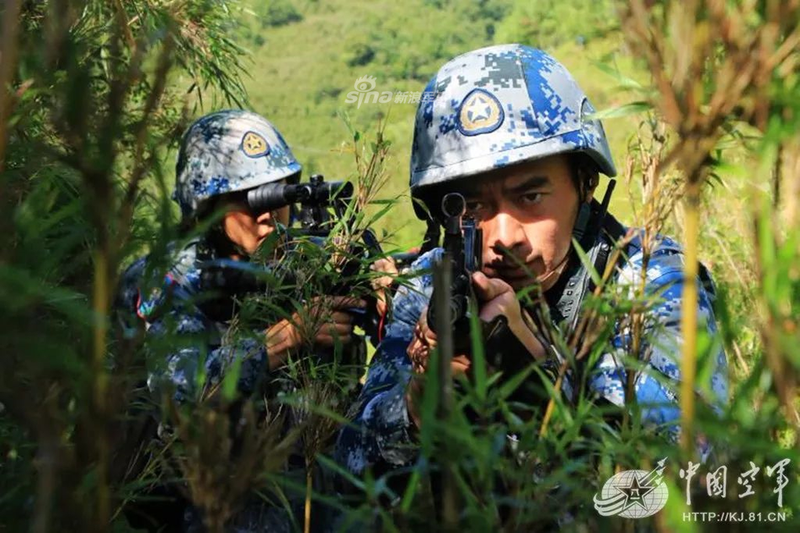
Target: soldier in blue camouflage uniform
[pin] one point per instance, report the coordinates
(510, 129)
(222, 156)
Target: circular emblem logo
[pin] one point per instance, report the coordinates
(479, 112)
(633, 494)
(254, 145)
(364, 84)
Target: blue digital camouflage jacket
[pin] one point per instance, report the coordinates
(196, 349)
(379, 434)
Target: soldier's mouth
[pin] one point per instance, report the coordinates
(512, 274)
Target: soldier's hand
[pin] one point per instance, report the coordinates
(496, 297)
(382, 284)
(419, 351)
(329, 315)
(338, 325)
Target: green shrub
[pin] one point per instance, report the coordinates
(279, 13)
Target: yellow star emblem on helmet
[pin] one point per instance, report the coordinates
(254, 145)
(480, 112)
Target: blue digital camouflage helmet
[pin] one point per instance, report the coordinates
(229, 151)
(499, 106)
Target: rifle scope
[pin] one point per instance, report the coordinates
(272, 196)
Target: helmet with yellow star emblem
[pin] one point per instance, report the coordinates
(229, 151)
(496, 107)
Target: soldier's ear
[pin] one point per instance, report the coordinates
(590, 188)
(588, 178)
(234, 221)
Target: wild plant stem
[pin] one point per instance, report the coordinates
(689, 312)
(8, 63)
(100, 304)
(309, 488)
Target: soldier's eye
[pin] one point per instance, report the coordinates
(531, 198)
(473, 207)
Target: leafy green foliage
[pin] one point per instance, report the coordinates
(98, 91)
(549, 23)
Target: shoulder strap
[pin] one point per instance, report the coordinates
(580, 282)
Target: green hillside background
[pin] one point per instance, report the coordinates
(305, 56)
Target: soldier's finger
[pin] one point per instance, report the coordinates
(328, 340)
(430, 337)
(424, 332)
(342, 329)
(281, 334)
(347, 302)
(323, 340)
(334, 328)
(460, 365)
(417, 353)
(386, 265)
(420, 366)
(488, 288)
(341, 317)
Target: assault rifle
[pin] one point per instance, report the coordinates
(463, 249)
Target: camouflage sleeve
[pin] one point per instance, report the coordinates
(657, 383)
(379, 434)
(183, 359)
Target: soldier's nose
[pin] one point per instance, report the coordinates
(506, 233)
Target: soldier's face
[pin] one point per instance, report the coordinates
(527, 213)
(248, 231)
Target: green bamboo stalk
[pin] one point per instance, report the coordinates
(8, 64)
(689, 312)
(309, 488)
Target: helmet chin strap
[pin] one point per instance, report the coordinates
(585, 215)
(555, 270)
